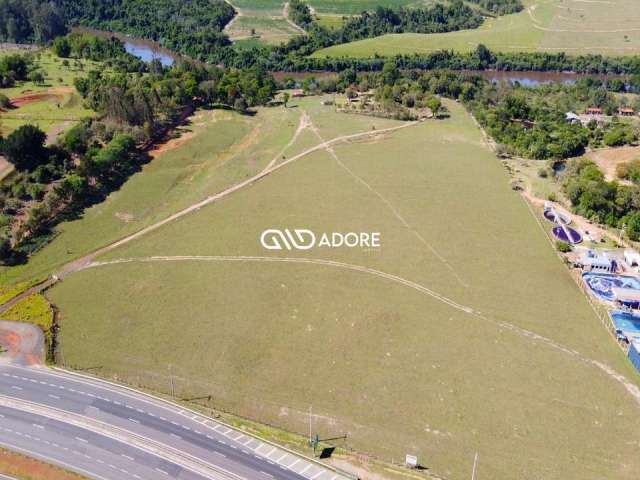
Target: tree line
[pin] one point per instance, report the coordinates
(30, 21)
(135, 105)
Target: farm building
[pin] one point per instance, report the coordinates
(634, 354)
(297, 92)
(593, 111)
(632, 257)
(626, 112)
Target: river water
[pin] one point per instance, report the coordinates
(145, 50)
(148, 50)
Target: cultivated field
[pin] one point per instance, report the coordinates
(575, 26)
(264, 21)
(463, 333)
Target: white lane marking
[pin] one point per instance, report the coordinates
(265, 473)
(221, 454)
(127, 457)
(294, 463)
(271, 451)
(281, 458)
(134, 420)
(55, 397)
(176, 436)
(317, 475)
(305, 469)
(15, 387)
(82, 440)
(41, 427)
(162, 471)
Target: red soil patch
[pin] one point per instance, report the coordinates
(171, 144)
(27, 99)
(51, 94)
(20, 466)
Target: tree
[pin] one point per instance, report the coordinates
(484, 55)
(76, 138)
(61, 47)
(37, 77)
(25, 149)
(4, 101)
(240, 104)
(390, 73)
(633, 226)
(285, 98)
(434, 104)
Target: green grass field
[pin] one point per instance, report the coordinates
(492, 349)
(225, 148)
(269, 29)
(575, 26)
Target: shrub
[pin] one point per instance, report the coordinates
(563, 247)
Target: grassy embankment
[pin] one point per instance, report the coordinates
(395, 366)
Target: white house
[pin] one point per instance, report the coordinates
(632, 257)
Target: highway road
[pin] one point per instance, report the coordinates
(106, 431)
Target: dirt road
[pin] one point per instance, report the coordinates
(85, 260)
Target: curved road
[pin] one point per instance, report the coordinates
(108, 432)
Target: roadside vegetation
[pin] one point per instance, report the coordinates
(23, 468)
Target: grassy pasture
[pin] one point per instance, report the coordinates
(270, 29)
(224, 149)
(395, 368)
(574, 26)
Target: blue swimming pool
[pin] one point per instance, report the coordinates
(628, 323)
(602, 284)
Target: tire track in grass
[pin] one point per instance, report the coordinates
(628, 385)
(390, 206)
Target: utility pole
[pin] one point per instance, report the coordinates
(310, 420)
(475, 463)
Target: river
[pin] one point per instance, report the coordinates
(148, 50)
(145, 50)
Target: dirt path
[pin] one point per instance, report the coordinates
(52, 136)
(35, 289)
(391, 207)
(631, 388)
(295, 26)
(85, 260)
(238, 14)
(5, 167)
(304, 123)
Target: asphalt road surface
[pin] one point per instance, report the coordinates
(105, 431)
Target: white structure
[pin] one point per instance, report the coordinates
(572, 117)
(632, 257)
(596, 262)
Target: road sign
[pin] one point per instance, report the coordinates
(411, 461)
